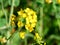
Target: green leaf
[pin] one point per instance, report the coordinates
(2, 22)
(10, 2)
(15, 39)
(58, 43)
(57, 37)
(16, 2)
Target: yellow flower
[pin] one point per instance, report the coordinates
(22, 35)
(34, 16)
(58, 1)
(12, 23)
(31, 29)
(20, 12)
(24, 15)
(32, 12)
(28, 27)
(48, 1)
(30, 17)
(27, 20)
(44, 43)
(3, 40)
(38, 37)
(20, 24)
(33, 24)
(33, 20)
(13, 17)
(27, 10)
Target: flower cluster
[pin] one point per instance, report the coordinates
(27, 18)
(13, 18)
(38, 38)
(31, 19)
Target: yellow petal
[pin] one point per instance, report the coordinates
(22, 35)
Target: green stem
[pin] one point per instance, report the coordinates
(41, 20)
(11, 11)
(4, 12)
(25, 41)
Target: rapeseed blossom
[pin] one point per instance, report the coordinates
(13, 17)
(37, 36)
(30, 18)
(58, 1)
(20, 24)
(22, 35)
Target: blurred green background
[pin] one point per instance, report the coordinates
(48, 13)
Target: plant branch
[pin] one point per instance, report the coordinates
(11, 11)
(41, 20)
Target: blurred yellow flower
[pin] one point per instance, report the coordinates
(58, 1)
(22, 35)
(13, 17)
(27, 10)
(20, 12)
(33, 24)
(24, 15)
(31, 29)
(30, 18)
(33, 20)
(12, 23)
(48, 1)
(27, 20)
(3, 40)
(37, 37)
(44, 43)
(20, 24)
(28, 27)
(34, 16)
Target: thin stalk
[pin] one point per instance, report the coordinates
(41, 19)
(11, 11)
(4, 12)
(25, 41)
(41, 22)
